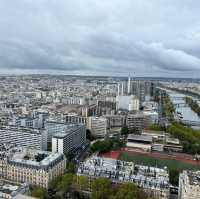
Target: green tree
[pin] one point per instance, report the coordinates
(70, 167)
(102, 146)
(65, 184)
(129, 191)
(174, 176)
(80, 183)
(89, 135)
(124, 131)
(101, 188)
(38, 192)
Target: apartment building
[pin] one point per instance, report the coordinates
(24, 136)
(189, 185)
(73, 138)
(33, 167)
(52, 127)
(98, 126)
(154, 181)
(135, 122)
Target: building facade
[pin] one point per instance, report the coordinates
(135, 122)
(31, 166)
(73, 138)
(189, 185)
(23, 136)
(98, 126)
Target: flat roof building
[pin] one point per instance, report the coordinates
(73, 137)
(24, 136)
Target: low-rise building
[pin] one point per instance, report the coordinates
(139, 141)
(154, 181)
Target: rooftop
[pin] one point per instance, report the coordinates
(144, 138)
(34, 157)
(121, 171)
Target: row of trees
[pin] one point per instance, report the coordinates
(107, 145)
(187, 92)
(193, 105)
(79, 187)
(168, 108)
(101, 188)
(157, 127)
(189, 137)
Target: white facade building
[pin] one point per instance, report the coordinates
(128, 102)
(71, 139)
(134, 103)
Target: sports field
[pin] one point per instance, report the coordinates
(152, 161)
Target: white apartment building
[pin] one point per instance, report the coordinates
(189, 185)
(23, 136)
(98, 126)
(73, 137)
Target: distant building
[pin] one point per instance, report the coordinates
(135, 122)
(115, 120)
(73, 138)
(128, 102)
(98, 126)
(75, 119)
(35, 121)
(189, 185)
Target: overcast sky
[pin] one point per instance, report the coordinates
(100, 37)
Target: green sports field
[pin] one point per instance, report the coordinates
(151, 161)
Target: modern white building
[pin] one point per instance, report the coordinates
(73, 138)
(189, 185)
(134, 103)
(98, 126)
(127, 102)
(23, 136)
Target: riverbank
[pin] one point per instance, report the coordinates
(193, 105)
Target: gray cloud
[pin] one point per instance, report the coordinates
(100, 37)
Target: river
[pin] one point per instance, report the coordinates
(187, 112)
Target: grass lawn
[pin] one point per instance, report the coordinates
(151, 161)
